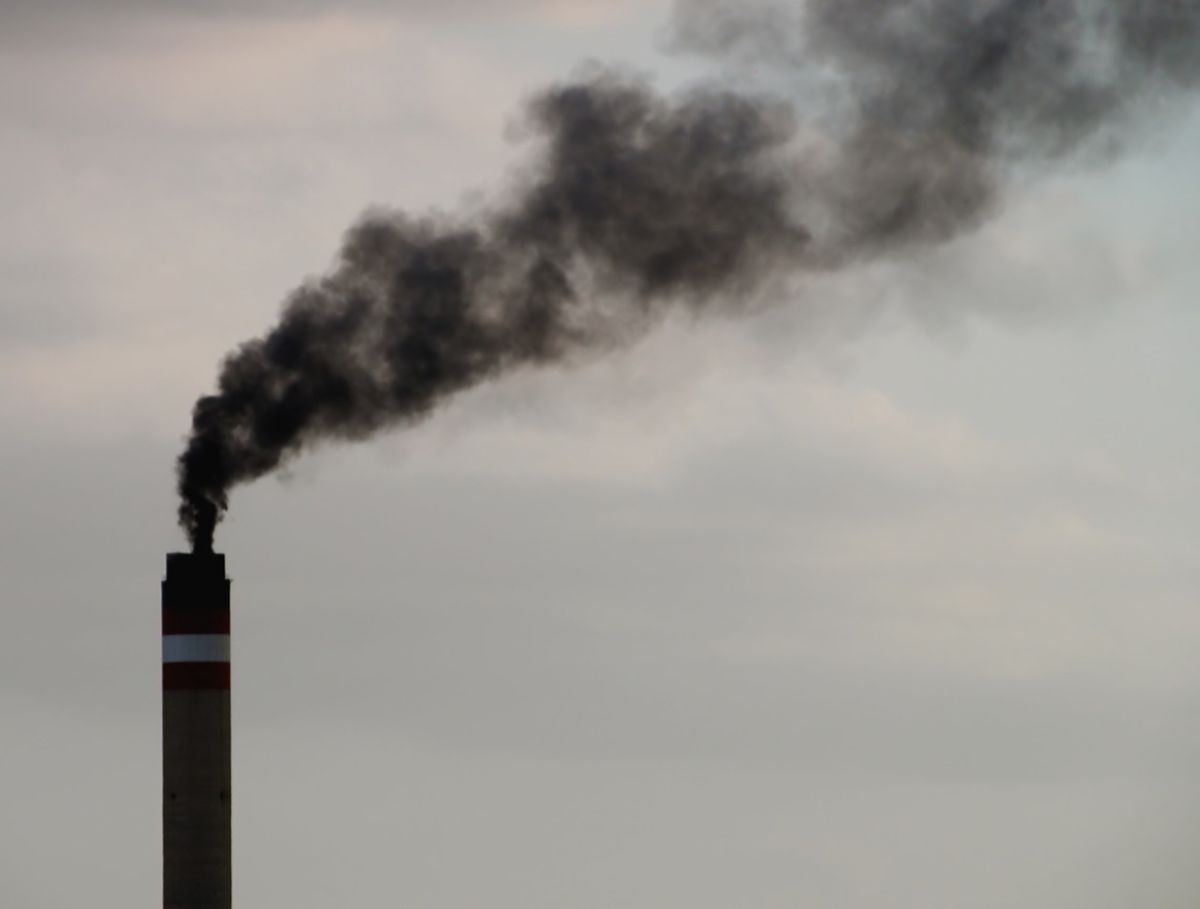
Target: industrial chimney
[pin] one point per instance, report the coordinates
(196, 758)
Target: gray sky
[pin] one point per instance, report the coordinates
(882, 597)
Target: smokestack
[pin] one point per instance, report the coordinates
(196, 756)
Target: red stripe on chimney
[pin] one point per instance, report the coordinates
(195, 676)
(195, 621)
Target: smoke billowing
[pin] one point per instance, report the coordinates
(890, 124)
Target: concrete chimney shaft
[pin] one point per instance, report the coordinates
(197, 866)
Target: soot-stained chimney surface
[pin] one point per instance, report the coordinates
(908, 121)
(197, 828)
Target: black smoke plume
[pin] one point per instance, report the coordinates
(891, 124)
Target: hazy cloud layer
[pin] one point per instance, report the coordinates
(71, 21)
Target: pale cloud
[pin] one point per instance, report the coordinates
(587, 13)
(75, 20)
(202, 79)
(641, 416)
(166, 190)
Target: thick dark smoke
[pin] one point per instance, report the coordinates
(639, 202)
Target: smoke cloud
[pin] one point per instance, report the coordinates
(891, 125)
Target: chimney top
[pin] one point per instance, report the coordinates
(196, 579)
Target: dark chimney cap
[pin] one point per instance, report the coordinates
(195, 580)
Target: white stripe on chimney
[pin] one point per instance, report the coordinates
(195, 648)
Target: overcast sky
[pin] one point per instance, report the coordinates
(883, 597)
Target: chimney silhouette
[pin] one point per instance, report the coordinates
(196, 733)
